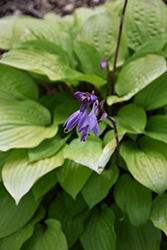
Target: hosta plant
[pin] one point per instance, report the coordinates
(83, 129)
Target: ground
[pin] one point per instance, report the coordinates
(38, 8)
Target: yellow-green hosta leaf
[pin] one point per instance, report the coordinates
(159, 212)
(17, 83)
(115, 5)
(6, 27)
(66, 22)
(30, 28)
(81, 152)
(144, 20)
(81, 14)
(148, 163)
(3, 157)
(137, 75)
(19, 175)
(101, 31)
(24, 124)
(42, 62)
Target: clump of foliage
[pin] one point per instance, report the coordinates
(52, 194)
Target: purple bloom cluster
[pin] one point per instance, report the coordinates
(86, 122)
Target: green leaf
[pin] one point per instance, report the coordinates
(103, 35)
(153, 46)
(148, 165)
(159, 212)
(115, 5)
(19, 176)
(82, 152)
(6, 27)
(16, 240)
(98, 186)
(44, 185)
(89, 59)
(134, 199)
(48, 236)
(29, 28)
(74, 207)
(65, 22)
(82, 13)
(72, 226)
(48, 46)
(3, 158)
(157, 127)
(13, 217)
(137, 75)
(41, 62)
(23, 124)
(154, 95)
(64, 109)
(99, 232)
(132, 118)
(135, 238)
(72, 171)
(17, 83)
(47, 148)
(144, 20)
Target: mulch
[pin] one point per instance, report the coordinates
(37, 8)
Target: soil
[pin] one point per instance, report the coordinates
(37, 8)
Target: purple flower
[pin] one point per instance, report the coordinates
(89, 123)
(103, 64)
(72, 121)
(86, 122)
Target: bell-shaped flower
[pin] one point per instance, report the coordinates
(72, 121)
(89, 123)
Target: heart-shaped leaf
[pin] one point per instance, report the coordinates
(99, 232)
(98, 186)
(154, 95)
(157, 127)
(23, 124)
(13, 217)
(132, 118)
(6, 27)
(50, 238)
(144, 20)
(72, 225)
(19, 85)
(134, 199)
(19, 176)
(103, 35)
(75, 172)
(159, 212)
(136, 75)
(138, 238)
(41, 62)
(23, 234)
(148, 165)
